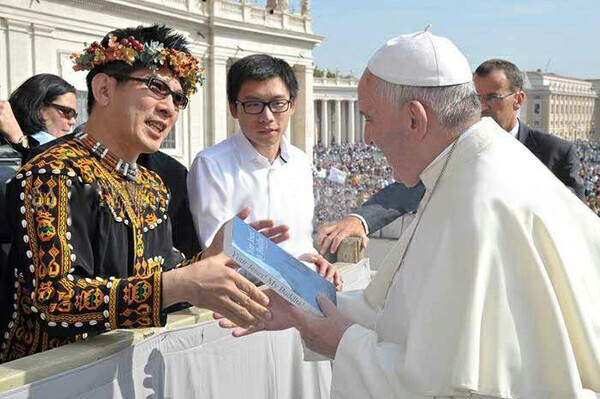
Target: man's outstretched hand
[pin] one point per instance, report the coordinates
(320, 334)
(331, 234)
(212, 284)
(283, 316)
(267, 228)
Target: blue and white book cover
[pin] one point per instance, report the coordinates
(275, 267)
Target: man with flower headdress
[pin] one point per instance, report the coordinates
(92, 248)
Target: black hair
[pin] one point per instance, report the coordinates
(513, 74)
(259, 67)
(144, 34)
(35, 93)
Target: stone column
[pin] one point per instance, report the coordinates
(351, 118)
(337, 128)
(360, 127)
(195, 137)
(217, 81)
(42, 47)
(19, 47)
(325, 140)
(302, 124)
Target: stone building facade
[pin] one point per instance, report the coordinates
(564, 106)
(39, 36)
(337, 118)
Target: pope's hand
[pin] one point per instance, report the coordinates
(282, 317)
(320, 334)
(331, 234)
(323, 334)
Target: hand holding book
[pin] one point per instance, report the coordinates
(320, 334)
(267, 228)
(279, 270)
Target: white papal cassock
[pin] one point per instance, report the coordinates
(499, 293)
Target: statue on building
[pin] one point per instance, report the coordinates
(280, 5)
(305, 8)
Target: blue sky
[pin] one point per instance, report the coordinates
(561, 35)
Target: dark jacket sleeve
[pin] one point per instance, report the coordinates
(174, 175)
(185, 237)
(568, 172)
(389, 204)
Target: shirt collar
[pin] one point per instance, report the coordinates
(248, 153)
(470, 142)
(43, 137)
(515, 130)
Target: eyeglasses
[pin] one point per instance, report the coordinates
(493, 97)
(160, 88)
(255, 107)
(67, 112)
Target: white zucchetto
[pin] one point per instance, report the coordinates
(420, 59)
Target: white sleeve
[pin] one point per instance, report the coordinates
(364, 367)
(208, 198)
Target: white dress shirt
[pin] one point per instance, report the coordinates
(515, 130)
(231, 175)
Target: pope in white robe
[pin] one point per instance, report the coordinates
(494, 290)
(499, 293)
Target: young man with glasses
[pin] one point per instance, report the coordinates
(259, 168)
(92, 248)
(499, 85)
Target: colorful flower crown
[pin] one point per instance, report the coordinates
(153, 55)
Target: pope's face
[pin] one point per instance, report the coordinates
(146, 118)
(384, 127)
(497, 98)
(263, 129)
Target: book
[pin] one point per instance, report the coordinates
(277, 269)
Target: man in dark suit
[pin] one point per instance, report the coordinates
(499, 84)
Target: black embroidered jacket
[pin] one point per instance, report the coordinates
(91, 238)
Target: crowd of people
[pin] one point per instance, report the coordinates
(589, 153)
(366, 170)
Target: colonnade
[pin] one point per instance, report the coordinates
(338, 121)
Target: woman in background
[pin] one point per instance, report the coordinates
(40, 110)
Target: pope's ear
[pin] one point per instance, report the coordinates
(103, 88)
(418, 118)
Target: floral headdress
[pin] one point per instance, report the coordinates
(153, 55)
